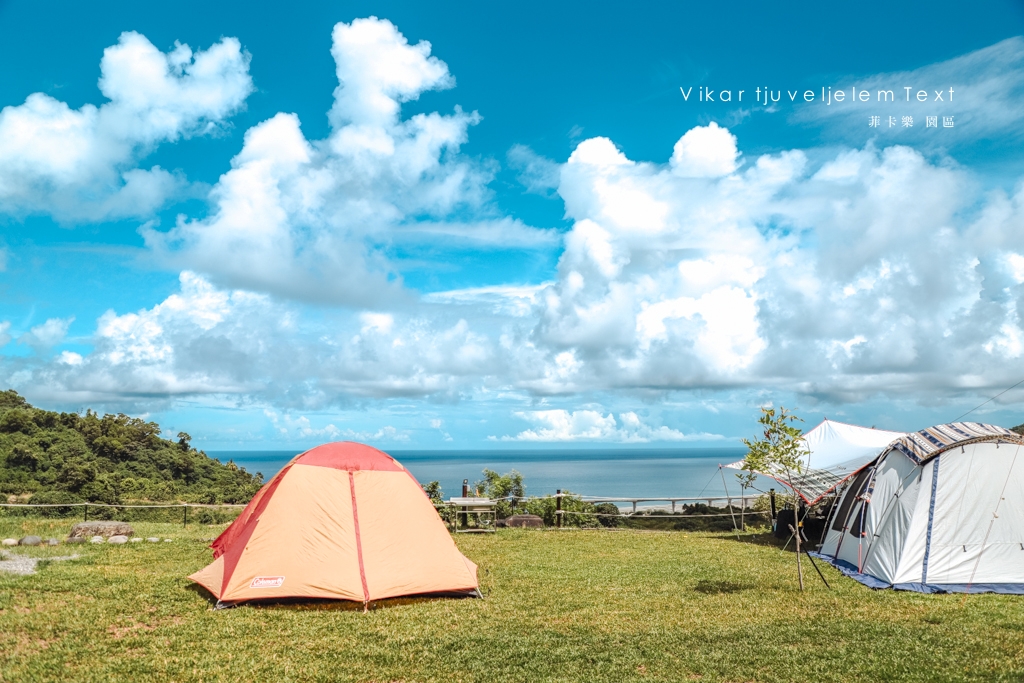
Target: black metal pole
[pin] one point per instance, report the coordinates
(813, 564)
(185, 507)
(85, 513)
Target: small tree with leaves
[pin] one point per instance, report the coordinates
(506, 488)
(780, 453)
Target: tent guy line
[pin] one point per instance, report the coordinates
(990, 400)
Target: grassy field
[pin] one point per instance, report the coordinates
(559, 606)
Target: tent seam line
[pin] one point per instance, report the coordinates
(931, 520)
(359, 542)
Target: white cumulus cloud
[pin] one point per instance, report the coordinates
(81, 164)
(47, 335)
(705, 152)
(836, 274)
(594, 425)
(309, 219)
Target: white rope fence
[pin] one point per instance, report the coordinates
(641, 513)
(645, 515)
(149, 506)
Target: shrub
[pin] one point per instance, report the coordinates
(571, 506)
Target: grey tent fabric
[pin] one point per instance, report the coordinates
(941, 510)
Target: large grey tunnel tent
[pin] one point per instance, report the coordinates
(939, 510)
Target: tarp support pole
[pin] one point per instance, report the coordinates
(815, 565)
(729, 501)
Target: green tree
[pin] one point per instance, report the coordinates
(434, 492)
(779, 453)
(108, 458)
(507, 489)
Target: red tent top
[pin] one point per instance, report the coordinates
(348, 455)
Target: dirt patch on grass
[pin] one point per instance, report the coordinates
(26, 645)
(127, 626)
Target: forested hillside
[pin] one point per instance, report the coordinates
(64, 457)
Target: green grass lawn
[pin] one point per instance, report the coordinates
(559, 606)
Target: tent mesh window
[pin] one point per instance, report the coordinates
(858, 520)
(860, 480)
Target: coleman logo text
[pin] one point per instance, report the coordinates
(267, 582)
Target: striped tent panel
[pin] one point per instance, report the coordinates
(812, 485)
(926, 444)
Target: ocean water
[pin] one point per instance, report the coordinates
(624, 473)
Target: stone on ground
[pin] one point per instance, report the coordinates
(105, 529)
(168, 540)
(9, 542)
(136, 540)
(97, 539)
(30, 540)
(151, 539)
(117, 539)
(52, 541)
(20, 564)
(75, 540)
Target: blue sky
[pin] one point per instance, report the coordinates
(506, 227)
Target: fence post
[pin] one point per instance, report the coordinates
(465, 510)
(85, 514)
(185, 508)
(771, 502)
(558, 508)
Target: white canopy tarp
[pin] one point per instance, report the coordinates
(835, 451)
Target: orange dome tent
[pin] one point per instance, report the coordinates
(342, 521)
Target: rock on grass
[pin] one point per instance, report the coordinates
(105, 529)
